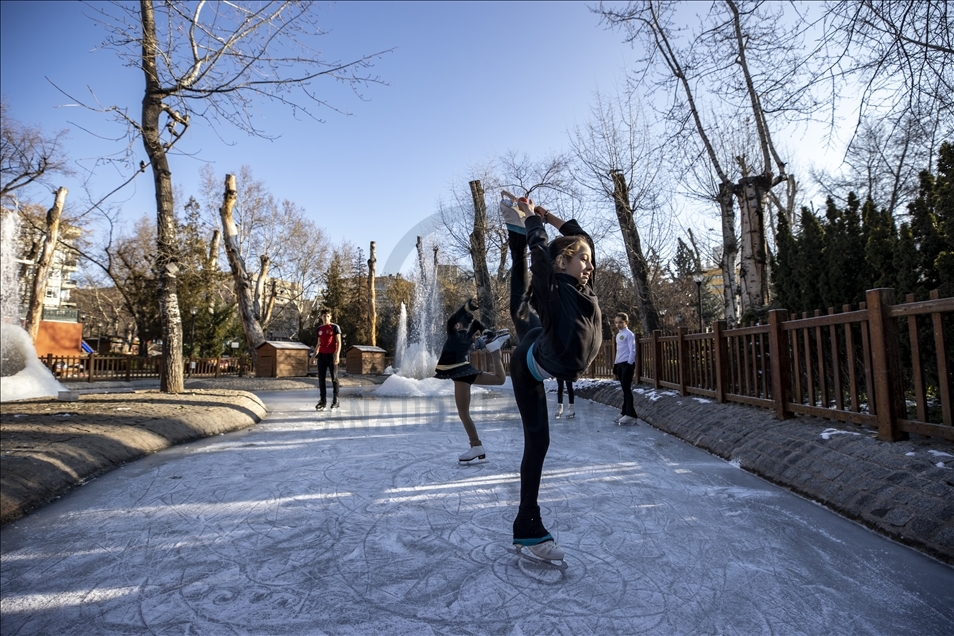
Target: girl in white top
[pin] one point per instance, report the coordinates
(625, 366)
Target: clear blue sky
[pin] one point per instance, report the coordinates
(468, 81)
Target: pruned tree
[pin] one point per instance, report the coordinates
(44, 263)
(211, 61)
(619, 164)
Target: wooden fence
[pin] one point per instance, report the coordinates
(883, 365)
(95, 367)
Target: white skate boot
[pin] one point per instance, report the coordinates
(475, 452)
(498, 340)
(547, 553)
(627, 420)
(512, 215)
(570, 413)
(559, 412)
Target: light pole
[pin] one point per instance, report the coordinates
(698, 280)
(195, 310)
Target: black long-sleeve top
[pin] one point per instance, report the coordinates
(569, 312)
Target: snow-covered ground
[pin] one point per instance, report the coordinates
(362, 522)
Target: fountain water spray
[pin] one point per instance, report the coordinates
(24, 376)
(418, 343)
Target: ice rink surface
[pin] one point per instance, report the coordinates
(362, 522)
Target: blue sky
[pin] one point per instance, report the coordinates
(468, 81)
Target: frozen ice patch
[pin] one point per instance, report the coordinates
(910, 454)
(940, 454)
(702, 400)
(736, 463)
(828, 432)
(940, 465)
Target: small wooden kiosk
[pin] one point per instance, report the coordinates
(364, 359)
(282, 360)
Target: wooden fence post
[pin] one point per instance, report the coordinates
(780, 361)
(89, 366)
(886, 364)
(638, 373)
(128, 364)
(721, 355)
(682, 354)
(657, 358)
(943, 368)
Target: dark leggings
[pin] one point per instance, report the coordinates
(625, 373)
(529, 394)
(326, 361)
(569, 391)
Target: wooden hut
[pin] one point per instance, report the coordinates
(278, 359)
(364, 359)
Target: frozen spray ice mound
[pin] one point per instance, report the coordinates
(399, 386)
(23, 375)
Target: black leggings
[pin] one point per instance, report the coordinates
(529, 394)
(569, 391)
(326, 361)
(624, 371)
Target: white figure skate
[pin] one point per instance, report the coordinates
(474, 452)
(559, 412)
(546, 553)
(570, 413)
(512, 215)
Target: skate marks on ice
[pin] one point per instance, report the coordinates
(366, 523)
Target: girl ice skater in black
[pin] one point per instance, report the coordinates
(559, 326)
(464, 333)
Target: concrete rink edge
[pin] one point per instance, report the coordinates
(50, 448)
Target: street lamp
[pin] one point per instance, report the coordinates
(195, 310)
(698, 278)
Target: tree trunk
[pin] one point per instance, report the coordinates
(44, 264)
(649, 317)
(254, 335)
(172, 378)
(730, 251)
(753, 268)
(372, 297)
(478, 256)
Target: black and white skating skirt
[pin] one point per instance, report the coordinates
(463, 373)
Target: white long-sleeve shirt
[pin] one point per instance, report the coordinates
(625, 347)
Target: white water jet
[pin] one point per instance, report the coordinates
(418, 345)
(23, 375)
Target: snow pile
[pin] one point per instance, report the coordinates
(828, 432)
(399, 386)
(24, 376)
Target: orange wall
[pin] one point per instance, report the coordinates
(59, 338)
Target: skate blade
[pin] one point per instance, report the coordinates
(467, 461)
(530, 556)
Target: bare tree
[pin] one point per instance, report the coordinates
(901, 54)
(211, 61)
(719, 59)
(620, 165)
(27, 156)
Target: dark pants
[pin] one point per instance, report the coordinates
(569, 391)
(327, 361)
(530, 396)
(624, 371)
